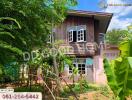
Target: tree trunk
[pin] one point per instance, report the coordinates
(58, 83)
(55, 62)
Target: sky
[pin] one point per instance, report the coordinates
(122, 15)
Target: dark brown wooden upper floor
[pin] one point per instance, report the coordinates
(82, 27)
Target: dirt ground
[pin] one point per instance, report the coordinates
(92, 96)
(96, 95)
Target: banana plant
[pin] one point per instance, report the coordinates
(119, 71)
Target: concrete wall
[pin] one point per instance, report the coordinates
(99, 74)
(94, 75)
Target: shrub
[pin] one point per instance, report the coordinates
(34, 88)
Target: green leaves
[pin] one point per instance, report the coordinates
(116, 36)
(11, 19)
(7, 33)
(123, 74)
(130, 61)
(119, 71)
(124, 47)
(7, 37)
(9, 47)
(1, 70)
(111, 77)
(25, 24)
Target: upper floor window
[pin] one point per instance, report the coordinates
(70, 36)
(50, 38)
(77, 33)
(81, 35)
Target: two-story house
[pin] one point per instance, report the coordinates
(80, 33)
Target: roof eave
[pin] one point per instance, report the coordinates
(90, 14)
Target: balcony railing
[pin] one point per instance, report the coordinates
(78, 49)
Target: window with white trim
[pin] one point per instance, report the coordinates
(71, 69)
(49, 40)
(70, 35)
(81, 35)
(77, 33)
(81, 68)
(79, 63)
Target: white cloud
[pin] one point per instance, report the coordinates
(126, 11)
(117, 21)
(118, 10)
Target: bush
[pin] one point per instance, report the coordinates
(5, 79)
(80, 87)
(34, 88)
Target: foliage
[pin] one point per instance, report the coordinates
(83, 88)
(88, 88)
(8, 50)
(34, 88)
(44, 58)
(116, 36)
(104, 90)
(24, 26)
(9, 73)
(119, 71)
(31, 22)
(76, 88)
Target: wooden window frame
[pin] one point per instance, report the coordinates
(49, 38)
(76, 65)
(80, 33)
(70, 35)
(81, 29)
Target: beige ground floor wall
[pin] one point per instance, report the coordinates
(100, 76)
(93, 75)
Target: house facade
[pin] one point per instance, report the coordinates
(80, 33)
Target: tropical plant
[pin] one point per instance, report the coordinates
(8, 51)
(119, 71)
(31, 22)
(35, 18)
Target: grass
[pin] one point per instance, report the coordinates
(88, 88)
(84, 91)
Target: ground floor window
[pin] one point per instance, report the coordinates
(82, 64)
(70, 69)
(81, 68)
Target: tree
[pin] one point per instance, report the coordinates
(35, 18)
(116, 36)
(46, 58)
(7, 50)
